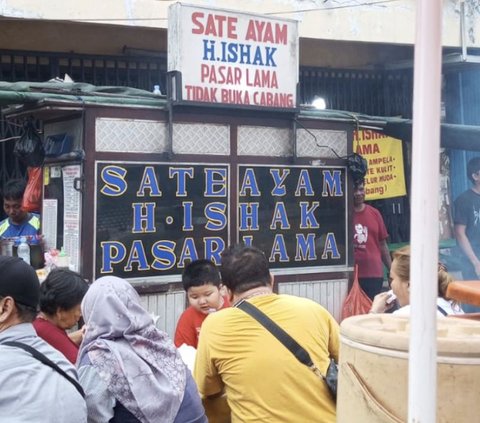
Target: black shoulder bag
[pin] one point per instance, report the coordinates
(40, 357)
(293, 346)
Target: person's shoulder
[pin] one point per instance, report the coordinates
(221, 317)
(368, 210)
(4, 222)
(43, 348)
(38, 324)
(402, 311)
(305, 308)
(372, 209)
(52, 353)
(34, 220)
(300, 302)
(189, 312)
(467, 195)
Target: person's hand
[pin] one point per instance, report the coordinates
(379, 304)
(77, 336)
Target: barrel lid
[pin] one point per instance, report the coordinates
(455, 337)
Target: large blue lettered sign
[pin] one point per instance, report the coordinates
(296, 214)
(152, 219)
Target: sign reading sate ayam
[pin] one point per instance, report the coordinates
(234, 58)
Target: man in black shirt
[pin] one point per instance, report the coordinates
(467, 223)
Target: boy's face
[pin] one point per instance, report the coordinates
(204, 298)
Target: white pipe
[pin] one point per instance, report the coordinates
(422, 376)
(463, 30)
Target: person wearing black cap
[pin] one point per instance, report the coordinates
(31, 390)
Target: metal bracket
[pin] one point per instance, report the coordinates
(78, 183)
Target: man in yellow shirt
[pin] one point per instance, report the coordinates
(263, 381)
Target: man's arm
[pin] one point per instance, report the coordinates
(386, 259)
(466, 247)
(334, 339)
(205, 373)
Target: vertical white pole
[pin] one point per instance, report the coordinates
(422, 376)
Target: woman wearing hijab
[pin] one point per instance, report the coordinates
(131, 371)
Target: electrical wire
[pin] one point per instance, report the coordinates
(316, 9)
(321, 9)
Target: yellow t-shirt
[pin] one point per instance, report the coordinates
(264, 382)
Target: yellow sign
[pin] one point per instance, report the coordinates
(46, 176)
(385, 177)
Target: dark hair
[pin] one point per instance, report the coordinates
(62, 289)
(244, 268)
(26, 314)
(358, 182)
(14, 189)
(200, 272)
(473, 166)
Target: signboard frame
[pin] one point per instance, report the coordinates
(170, 277)
(236, 70)
(288, 270)
(231, 233)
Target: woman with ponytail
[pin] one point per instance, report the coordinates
(400, 285)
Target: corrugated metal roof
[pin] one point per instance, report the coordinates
(466, 137)
(22, 93)
(17, 93)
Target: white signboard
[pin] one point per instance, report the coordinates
(49, 222)
(71, 214)
(234, 58)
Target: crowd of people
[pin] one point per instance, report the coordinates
(126, 370)
(91, 353)
(119, 367)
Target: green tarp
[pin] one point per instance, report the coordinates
(74, 92)
(462, 137)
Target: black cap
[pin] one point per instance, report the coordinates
(19, 281)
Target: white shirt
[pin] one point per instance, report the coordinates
(448, 306)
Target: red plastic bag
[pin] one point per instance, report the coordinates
(32, 198)
(357, 302)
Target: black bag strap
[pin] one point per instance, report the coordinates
(293, 346)
(441, 310)
(40, 357)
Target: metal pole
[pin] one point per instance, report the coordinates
(422, 376)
